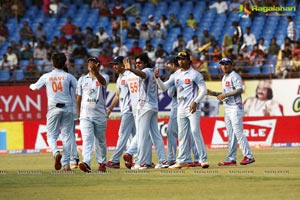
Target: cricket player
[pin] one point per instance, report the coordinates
(190, 88)
(91, 98)
(60, 117)
(172, 129)
(74, 156)
(232, 89)
(122, 96)
(146, 115)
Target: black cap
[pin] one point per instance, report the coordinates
(117, 60)
(227, 61)
(95, 59)
(184, 55)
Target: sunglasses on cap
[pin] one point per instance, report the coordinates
(182, 53)
(226, 61)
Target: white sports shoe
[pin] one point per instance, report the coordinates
(164, 164)
(179, 166)
(135, 167)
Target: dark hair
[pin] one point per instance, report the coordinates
(59, 60)
(65, 68)
(269, 93)
(144, 57)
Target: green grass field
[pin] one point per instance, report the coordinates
(274, 175)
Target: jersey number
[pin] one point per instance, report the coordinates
(133, 87)
(57, 86)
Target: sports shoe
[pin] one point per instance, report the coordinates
(115, 165)
(102, 167)
(73, 166)
(197, 164)
(247, 161)
(205, 165)
(179, 166)
(57, 163)
(164, 164)
(66, 168)
(84, 167)
(146, 166)
(135, 167)
(128, 160)
(172, 163)
(191, 164)
(227, 163)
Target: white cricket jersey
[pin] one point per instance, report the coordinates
(124, 93)
(188, 84)
(229, 83)
(173, 94)
(59, 86)
(93, 97)
(148, 95)
(132, 82)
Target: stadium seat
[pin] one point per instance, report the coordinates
(19, 75)
(4, 75)
(23, 64)
(254, 72)
(268, 69)
(214, 69)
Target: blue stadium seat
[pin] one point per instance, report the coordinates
(214, 68)
(19, 75)
(253, 71)
(4, 75)
(23, 64)
(268, 69)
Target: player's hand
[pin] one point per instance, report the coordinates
(220, 97)
(193, 107)
(108, 111)
(127, 64)
(209, 92)
(156, 70)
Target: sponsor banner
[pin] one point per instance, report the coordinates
(260, 131)
(18, 103)
(35, 134)
(12, 132)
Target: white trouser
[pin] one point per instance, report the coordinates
(93, 133)
(234, 128)
(190, 122)
(60, 121)
(127, 128)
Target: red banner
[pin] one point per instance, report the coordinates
(18, 103)
(260, 131)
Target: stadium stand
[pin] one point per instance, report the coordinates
(267, 27)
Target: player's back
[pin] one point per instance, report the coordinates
(58, 86)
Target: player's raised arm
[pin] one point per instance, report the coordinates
(137, 72)
(113, 103)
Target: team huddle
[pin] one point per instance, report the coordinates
(137, 96)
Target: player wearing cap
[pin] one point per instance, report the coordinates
(172, 129)
(190, 88)
(146, 115)
(60, 117)
(122, 96)
(91, 97)
(233, 107)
